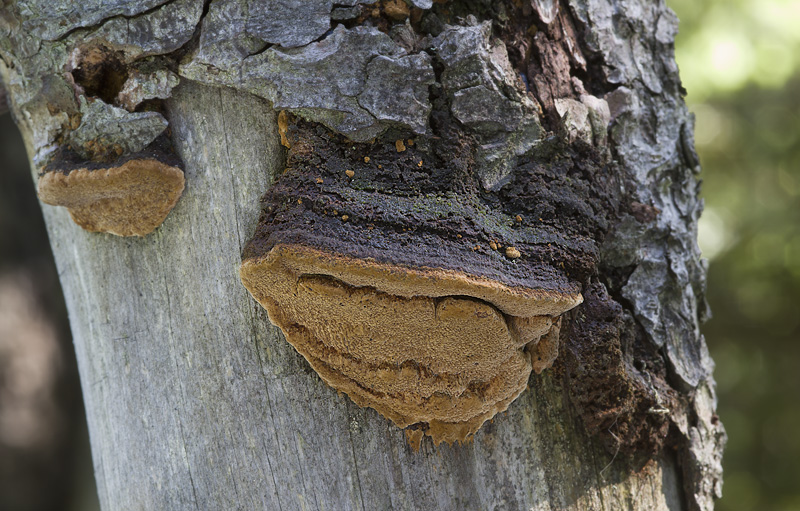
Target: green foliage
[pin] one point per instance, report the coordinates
(740, 62)
(726, 44)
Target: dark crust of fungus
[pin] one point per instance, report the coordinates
(422, 208)
(66, 160)
(618, 387)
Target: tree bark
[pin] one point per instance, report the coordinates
(195, 400)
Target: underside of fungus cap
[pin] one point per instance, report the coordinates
(435, 347)
(128, 197)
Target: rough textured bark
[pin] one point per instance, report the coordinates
(567, 113)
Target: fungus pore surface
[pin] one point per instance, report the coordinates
(130, 199)
(436, 348)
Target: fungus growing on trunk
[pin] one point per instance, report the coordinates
(380, 272)
(436, 347)
(116, 170)
(128, 197)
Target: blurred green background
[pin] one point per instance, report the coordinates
(740, 63)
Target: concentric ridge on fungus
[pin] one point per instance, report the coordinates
(435, 347)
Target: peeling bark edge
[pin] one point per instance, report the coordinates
(3, 99)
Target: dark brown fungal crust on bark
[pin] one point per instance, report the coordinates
(66, 160)
(618, 386)
(423, 208)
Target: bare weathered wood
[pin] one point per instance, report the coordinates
(195, 401)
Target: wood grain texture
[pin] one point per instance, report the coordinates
(196, 402)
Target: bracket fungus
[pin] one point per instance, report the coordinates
(419, 345)
(404, 306)
(116, 170)
(128, 197)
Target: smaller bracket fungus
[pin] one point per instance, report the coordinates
(115, 170)
(129, 197)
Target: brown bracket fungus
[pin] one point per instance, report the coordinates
(404, 306)
(115, 170)
(419, 345)
(128, 197)
(436, 219)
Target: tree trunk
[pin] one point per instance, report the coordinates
(195, 400)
